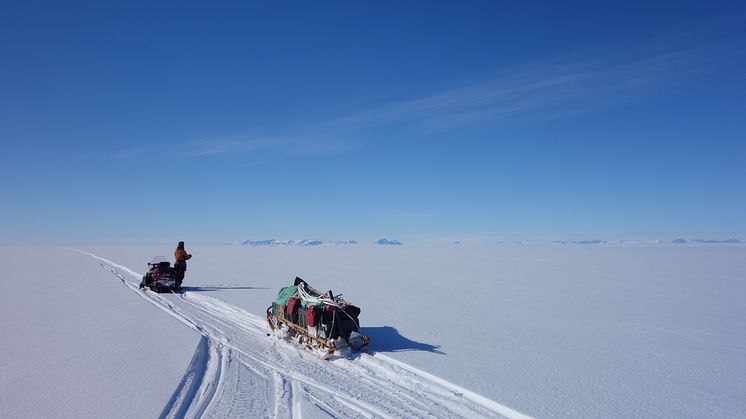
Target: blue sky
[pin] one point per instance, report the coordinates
(213, 122)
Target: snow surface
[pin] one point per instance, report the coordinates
(457, 331)
(75, 345)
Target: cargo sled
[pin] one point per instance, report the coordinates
(161, 276)
(317, 321)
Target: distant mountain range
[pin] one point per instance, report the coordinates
(702, 241)
(387, 242)
(274, 242)
(579, 241)
(632, 242)
(309, 243)
(718, 241)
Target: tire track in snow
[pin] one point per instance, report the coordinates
(363, 386)
(197, 388)
(190, 383)
(203, 388)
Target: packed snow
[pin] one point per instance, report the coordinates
(74, 345)
(456, 331)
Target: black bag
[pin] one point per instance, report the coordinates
(330, 320)
(352, 310)
(348, 321)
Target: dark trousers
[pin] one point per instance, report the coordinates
(180, 268)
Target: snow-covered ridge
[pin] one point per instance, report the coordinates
(579, 241)
(600, 242)
(485, 241)
(387, 242)
(309, 243)
(305, 242)
(730, 241)
(633, 242)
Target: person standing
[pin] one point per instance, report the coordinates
(181, 256)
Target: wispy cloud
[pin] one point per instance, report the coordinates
(241, 145)
(134, 152)
(233, 144)
(581, 82)
(570, 85)
(311, 144)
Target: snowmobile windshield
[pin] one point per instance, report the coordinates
(158, 259)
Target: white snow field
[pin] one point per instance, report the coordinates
(457, 331)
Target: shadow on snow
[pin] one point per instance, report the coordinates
(388, 339)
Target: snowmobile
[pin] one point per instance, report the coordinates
(161, 276)
(315, 320)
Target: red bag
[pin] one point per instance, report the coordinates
(311, 316)
(292, 309)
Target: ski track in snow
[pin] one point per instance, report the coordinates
(239, 371)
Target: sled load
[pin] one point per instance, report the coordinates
(316, 320)
(161, 276)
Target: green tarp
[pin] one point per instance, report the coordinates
(284, 295)
(306, 304)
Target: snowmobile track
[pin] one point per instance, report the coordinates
(237, 371)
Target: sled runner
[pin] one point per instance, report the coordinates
(316, 320)
(161, 276)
